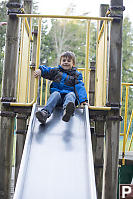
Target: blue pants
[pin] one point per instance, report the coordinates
(59, 99)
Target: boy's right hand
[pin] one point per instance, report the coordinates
(37, 73)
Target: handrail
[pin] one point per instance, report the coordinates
(125, 134)
(37, 66)
(28, 29)
(100, 33)
(20, 59)
(65, 17)
(87, 59)
(101, 108)
(127, 84)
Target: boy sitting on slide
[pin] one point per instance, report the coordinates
(67, 88)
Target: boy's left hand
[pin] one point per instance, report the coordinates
(37, 73)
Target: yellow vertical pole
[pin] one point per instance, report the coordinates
(28, 64)
(83, 76)
(121, 107)
(129, 148)
(46, 91)
(105, 62)
(121, 97)
(25, 99)
(129, 127)
(125, 125)
(20, 59)
(41, 90)
(103, 76)
(29, 87)
(38, 55)
(98, 25)
(87, 59)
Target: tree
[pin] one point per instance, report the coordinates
(67, 35)
(127, 61)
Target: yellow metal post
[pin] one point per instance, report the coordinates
(131, 118)
(87, 59)
(96, 79)
(27, 97)
(46, 91)
(125, 124)
(121, 134)
(105, 63)
(129, 148)
(41, 90)
(38, 55)
(29, 74)
(28, 28)
(20, 59)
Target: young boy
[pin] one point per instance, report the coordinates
(67, 88)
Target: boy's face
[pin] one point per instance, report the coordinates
(66, 63)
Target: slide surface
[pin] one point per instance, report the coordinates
(56, 159)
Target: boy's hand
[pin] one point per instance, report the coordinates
(83, 104)
(37, 73)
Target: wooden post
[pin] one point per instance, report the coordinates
(110, 180)
(99, 150)
(28, 6)
(8, 94)
(33, 64)
(103, 10)
(98, 136)
(21, 118)
(21, 128)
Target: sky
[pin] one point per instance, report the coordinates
(58, 7)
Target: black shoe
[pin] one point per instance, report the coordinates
(68, 112)
(42, 116)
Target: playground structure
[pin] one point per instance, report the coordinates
(24, 90)
(103, 108)
(24, 95)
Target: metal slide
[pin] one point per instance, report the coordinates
(57, 161)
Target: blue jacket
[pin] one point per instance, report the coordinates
(65, 81)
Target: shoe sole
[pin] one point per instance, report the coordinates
(40, 117)
(69, 112)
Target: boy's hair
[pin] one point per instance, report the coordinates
(70, 55)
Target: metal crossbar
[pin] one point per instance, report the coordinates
(64, 17)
